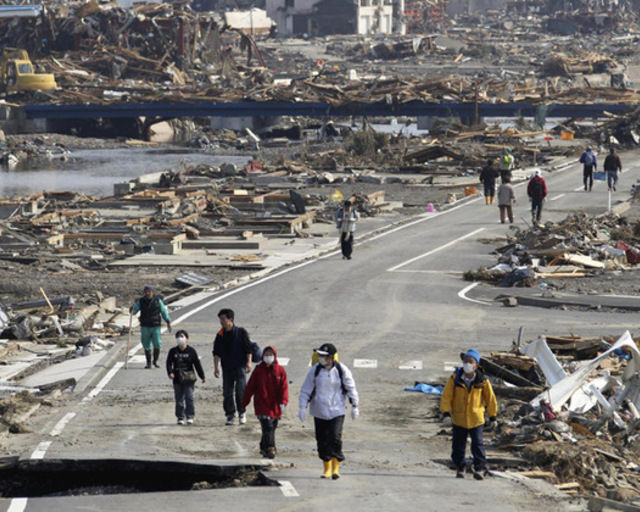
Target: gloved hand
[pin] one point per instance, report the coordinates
(445, 419)
(302, 414)
(354, 413)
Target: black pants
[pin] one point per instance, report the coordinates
(346, 244)
(329, 438)
(587, 176)
(536, 208)
(459, 445)
(268, 439)
(489, 189)
(233, 379)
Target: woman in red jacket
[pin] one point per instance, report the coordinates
(270, 389)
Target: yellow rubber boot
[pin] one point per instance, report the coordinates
(335, 468)
(327, 469)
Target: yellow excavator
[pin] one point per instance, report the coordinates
(17, 73)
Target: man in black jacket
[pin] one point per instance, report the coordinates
(182, 364)
(612, 164)
(232, 350)
(488, 176)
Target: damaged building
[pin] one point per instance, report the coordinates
(323, 17)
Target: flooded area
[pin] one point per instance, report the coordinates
(94, 171)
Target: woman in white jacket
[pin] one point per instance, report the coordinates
(326, 387)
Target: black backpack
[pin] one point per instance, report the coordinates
(340, 373)
(536, 188)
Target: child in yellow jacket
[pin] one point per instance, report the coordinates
(466, 395)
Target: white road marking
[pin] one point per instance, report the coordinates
(579, 188)
(557, 197)
(450, 366)
(241, 451)
(288, 489)
(284, 361)
(411, 365)
(365, 363)
(105, 380)
(437, 249)
(41, 450)
(463, 295)
(17, 505)
(137, 359)
(456, 272)
(57, 430)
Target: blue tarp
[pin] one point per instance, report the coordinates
(426, 388)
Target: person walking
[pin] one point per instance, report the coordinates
(612, 164)
(464, 399)
(232, 351)
(488, 175)
(324, 390)
(270, 391)
(346, 217)
(182, 365)
(508, 163)
(589, 166)
(152, 311)
(537, 192)
(506, 199)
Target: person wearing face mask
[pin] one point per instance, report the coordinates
(182, 364)
(269, 388)
(325, 389)
(465, 397)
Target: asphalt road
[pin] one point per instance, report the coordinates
(396, 304)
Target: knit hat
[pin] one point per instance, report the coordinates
(472, 352)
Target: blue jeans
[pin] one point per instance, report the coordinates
(184, 396)
(612, 179)
(459, 445)
(233, 379)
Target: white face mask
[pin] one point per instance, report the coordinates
(468, 368)
(269, 359)
(325, 361)
(181, 341)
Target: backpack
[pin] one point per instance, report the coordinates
(256, 352)
(589, 159)
(340, 373)
(536, 188)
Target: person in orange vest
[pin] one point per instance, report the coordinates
(466, 396)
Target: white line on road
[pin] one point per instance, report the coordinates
(437, 249)
(579, 188)
(411, 365)
(105, 380)
(450, 366)
(463, 295)
(429, 271)
(557, 197)
(57, 430)
(17, 505)
(284, 361)
(365, 363)
(288, 489)
(41, 450)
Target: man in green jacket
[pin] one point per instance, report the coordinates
(152, 311)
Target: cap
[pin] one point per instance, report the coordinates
(326, 349)
(472, 352)
(148, 287)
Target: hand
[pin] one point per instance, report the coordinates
(248, 368)
(354, 413)
(282, 407)
(171, 376)
(169, 326)
(216, 373)
(302, 414)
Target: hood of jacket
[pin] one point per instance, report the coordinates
(275, 354)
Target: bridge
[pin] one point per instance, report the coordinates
(320, 109)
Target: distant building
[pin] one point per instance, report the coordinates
(323, 17)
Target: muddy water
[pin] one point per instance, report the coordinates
(94, 171)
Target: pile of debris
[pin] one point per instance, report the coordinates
(573, 407)
(579, 246)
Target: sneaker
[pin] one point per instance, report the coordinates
(229, 420)
(486, 473)
(189, 421)
(242, 419)
(477, 474)
(460, 473)
(180, 421)
(271, 452)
